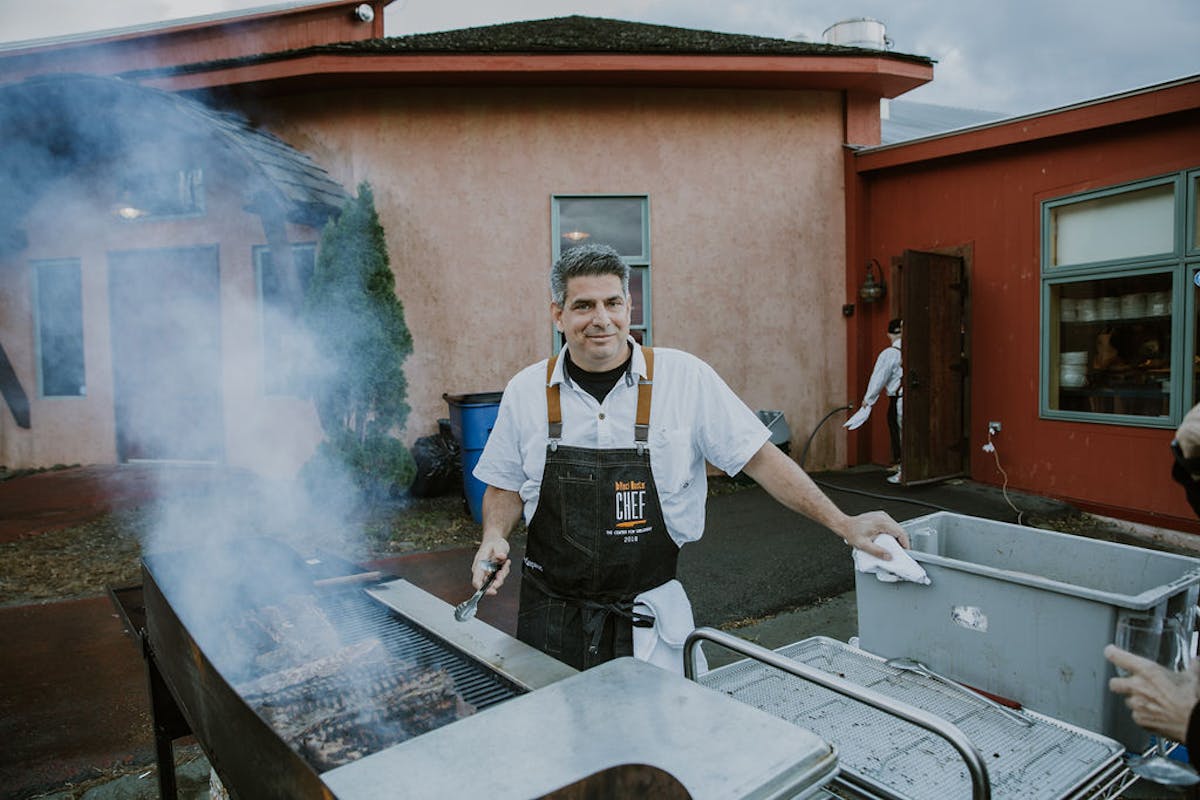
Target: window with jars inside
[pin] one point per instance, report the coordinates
(1119, 276)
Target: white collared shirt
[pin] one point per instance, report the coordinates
(886, 376)
(694, 417)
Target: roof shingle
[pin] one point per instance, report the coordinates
(559, 35)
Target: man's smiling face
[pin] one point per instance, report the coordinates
(595, 319)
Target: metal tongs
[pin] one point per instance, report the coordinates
(466, 609)
(912, 665)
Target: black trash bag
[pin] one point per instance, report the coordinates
(439, 464)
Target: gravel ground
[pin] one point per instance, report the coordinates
(86, 560)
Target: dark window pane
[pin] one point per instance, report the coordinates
(153, 194)
(637, 292)
(1195, 194)
(615, 221)
(1111, 353)
(60, 329)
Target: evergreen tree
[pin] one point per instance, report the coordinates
(357, 323)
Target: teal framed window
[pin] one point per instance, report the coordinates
(149, 194)
(58, 304)
(1193, 235)
(1119, 284)
(283, 340)
(621, 221)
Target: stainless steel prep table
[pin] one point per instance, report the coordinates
(622, 712)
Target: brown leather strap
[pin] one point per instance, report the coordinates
(553, 402)
(641, 427)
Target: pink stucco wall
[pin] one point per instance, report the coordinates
(73, 220)
(746, 225)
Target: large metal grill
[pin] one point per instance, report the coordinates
(358, 618)
(272, 722)
(883, 756)
(313, 716)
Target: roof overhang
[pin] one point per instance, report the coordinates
(882, 76)
(57, 124)
(1160, 100)
(202, 24)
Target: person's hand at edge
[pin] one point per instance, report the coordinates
(1161, 700)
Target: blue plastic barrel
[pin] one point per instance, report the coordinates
(471, 419)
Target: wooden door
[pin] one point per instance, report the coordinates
(934, 438)
(165, 312)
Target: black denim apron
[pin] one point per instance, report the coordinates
(596, 541)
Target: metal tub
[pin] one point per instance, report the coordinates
(1024, 613)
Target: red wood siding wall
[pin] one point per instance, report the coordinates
(990, 201)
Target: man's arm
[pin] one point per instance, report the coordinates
(790, 485)
(884, 362)
(1188, 434)
(1186, 470)
(502, 511)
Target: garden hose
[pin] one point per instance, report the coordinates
(831, 487)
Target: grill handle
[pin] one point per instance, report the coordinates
(981, 788)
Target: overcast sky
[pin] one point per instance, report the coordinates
(1011, 56)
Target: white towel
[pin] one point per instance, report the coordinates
(901, 567)
(855, 422)
(662, 645)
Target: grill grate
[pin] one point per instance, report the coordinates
(892, 758)
(357, 617)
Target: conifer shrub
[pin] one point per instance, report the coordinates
(361, 341)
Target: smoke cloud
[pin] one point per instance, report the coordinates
(148, 207)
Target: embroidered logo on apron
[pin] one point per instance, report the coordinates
(629, 511)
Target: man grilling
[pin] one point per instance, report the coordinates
(603, 450)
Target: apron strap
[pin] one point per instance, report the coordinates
(594, 613)
(553, 405)
(641, 426)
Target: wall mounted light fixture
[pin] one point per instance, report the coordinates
(873, 289)
(126, 208)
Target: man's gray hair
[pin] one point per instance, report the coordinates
(590, 259)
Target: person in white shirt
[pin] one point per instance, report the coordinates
(886, 377)
(602, 449)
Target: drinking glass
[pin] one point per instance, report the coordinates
(1140, 635)
(1162, 641)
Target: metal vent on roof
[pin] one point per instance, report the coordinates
(859, 32)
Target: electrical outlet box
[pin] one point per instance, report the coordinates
(993, 427)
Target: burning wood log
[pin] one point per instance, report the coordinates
(351, 702)
(271, 638)
(361, 655)
(408, 706)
